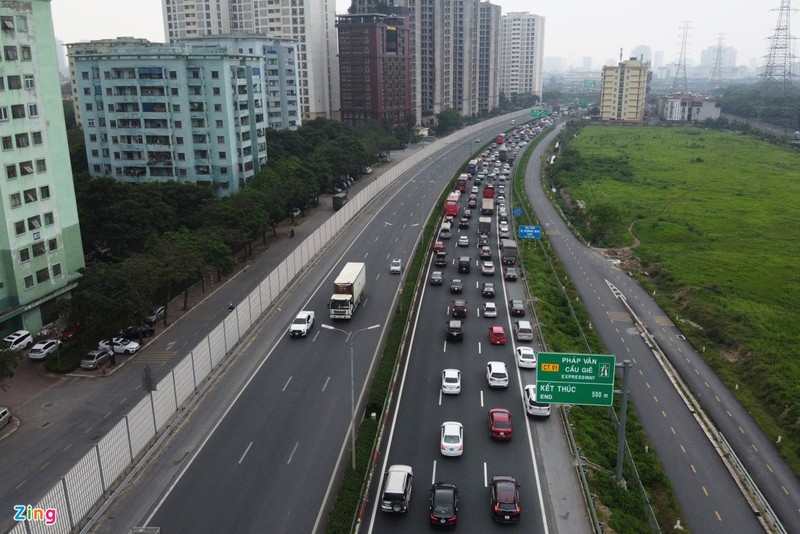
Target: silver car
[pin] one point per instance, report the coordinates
(95, 359)
(5, 416)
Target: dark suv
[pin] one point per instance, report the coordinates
(463, 264)
(455, 330)
(505, 499)
(459, 309)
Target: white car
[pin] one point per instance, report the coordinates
(19, 340)
(451, 381)
(121, 345)
(43, 349)
(526, 357)
(474, 190)
(496, 375)
(396, 266)
(487, 268)
(489, 309)
(532, 406)
(452, 443)
(463, 241)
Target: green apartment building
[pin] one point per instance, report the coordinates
(40, 240)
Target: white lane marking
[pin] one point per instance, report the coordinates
(433, 475)
(291, 455)
(286, 384)
(245, 452)
(325, 384)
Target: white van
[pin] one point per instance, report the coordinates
(447, 231)
(523, 331)
(397, 484)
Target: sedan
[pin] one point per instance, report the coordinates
(463, 223)
(436, 278)
(43, 349)
(155, 316)
(456, 286)
(500, 424)
(488, 290)
(444, 504)
(451, 381)
(396, 267)
(497, 336)
(510, 274)
(485, 253)
(489, 309)
(452, 442)
(505, 499)
(533, 406)
(463, 241)
(121, 345)
(516, 308)
(136, 332)
(526, 357)
(95, 359)
(487, 268)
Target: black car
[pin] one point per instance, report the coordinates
(505, 499)
(455, 330)
(488, 290)
(134, 333)
(463, 264)
(456, 286)
(516, 308)
(436, 278)
(468, 213)
(459, 309)
(444, 504)
(463, 223)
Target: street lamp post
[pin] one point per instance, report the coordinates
(350, 336)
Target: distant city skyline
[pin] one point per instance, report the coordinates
(573, 30)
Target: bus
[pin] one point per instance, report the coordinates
(472, 166)
(500, 139)
(461, 182)
(508, 251)
(451, 204)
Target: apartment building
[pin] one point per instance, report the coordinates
(193, 111)
(40, 243)
(309, 22)
(623, 89)
(489, 56)
(521, 53)
(375, 64)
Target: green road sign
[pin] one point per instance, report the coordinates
(575, 378)
(539, 113)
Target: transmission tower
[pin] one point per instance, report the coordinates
(716, 74)
(776, 96)
(679, 83)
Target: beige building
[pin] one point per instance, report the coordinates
(623, 89)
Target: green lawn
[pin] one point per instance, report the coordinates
(713, 220)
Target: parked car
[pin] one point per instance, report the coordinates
(5, 416)
(489, 309)
(444, 504)
(456, 286)
(44, 349)
(72, 331)
(496, 375)
(452, 439)
(155, 316)
(504, 494)
(137, 332)
(533, 406)
(451, 381)
(95, 358)
(497, 336)
(120, 345)
(500, 424)
(436, 278)
(516, 307)
(19, 340)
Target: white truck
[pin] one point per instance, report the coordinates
(348, 290)
(302, 324)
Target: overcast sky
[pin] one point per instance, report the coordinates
(573, 28)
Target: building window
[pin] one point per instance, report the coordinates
(223, 155)
(89, 106)
(30, 195)
(2, 84)
(218, 107)
(44, 192)
(15, 199)
(10, 52)
(7, 24)
(19, 227)
(216, 91)
(178, 124)
(219, 124)
(34, 223)
(29, 82)
(174, 91)
(22, 140)
(24, 255)
(56, 270)
(176, 108)
(37, 138)
(85, 75)
(18, 111)
(87, 91)
(28, 282)
(41, 165)
(14, 82)
(221, 139)
(22, 24)
(90, 123)
(52, 245)
(48, 220)
(33, 110)
(3, 113)
(7, 144)
(26, 53)
(38, 249)
(26, 168)
(215, 74)
(42, 275)
(11, 171)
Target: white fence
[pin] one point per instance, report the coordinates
(102, 468)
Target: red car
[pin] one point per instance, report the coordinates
(510, 274)
(500, 424)
(497, 336)
(438, 246)
(72, 331)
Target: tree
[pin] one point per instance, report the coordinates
(9, 359)
(447, 121)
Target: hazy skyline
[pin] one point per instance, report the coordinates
(573, 30)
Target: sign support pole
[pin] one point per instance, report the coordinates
(623, 417)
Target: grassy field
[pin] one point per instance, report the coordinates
(710, 218)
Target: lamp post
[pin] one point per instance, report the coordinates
(350, 336)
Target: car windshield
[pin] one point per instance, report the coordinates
(299, 320)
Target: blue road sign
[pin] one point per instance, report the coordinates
(530, 232)
(516, 212)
